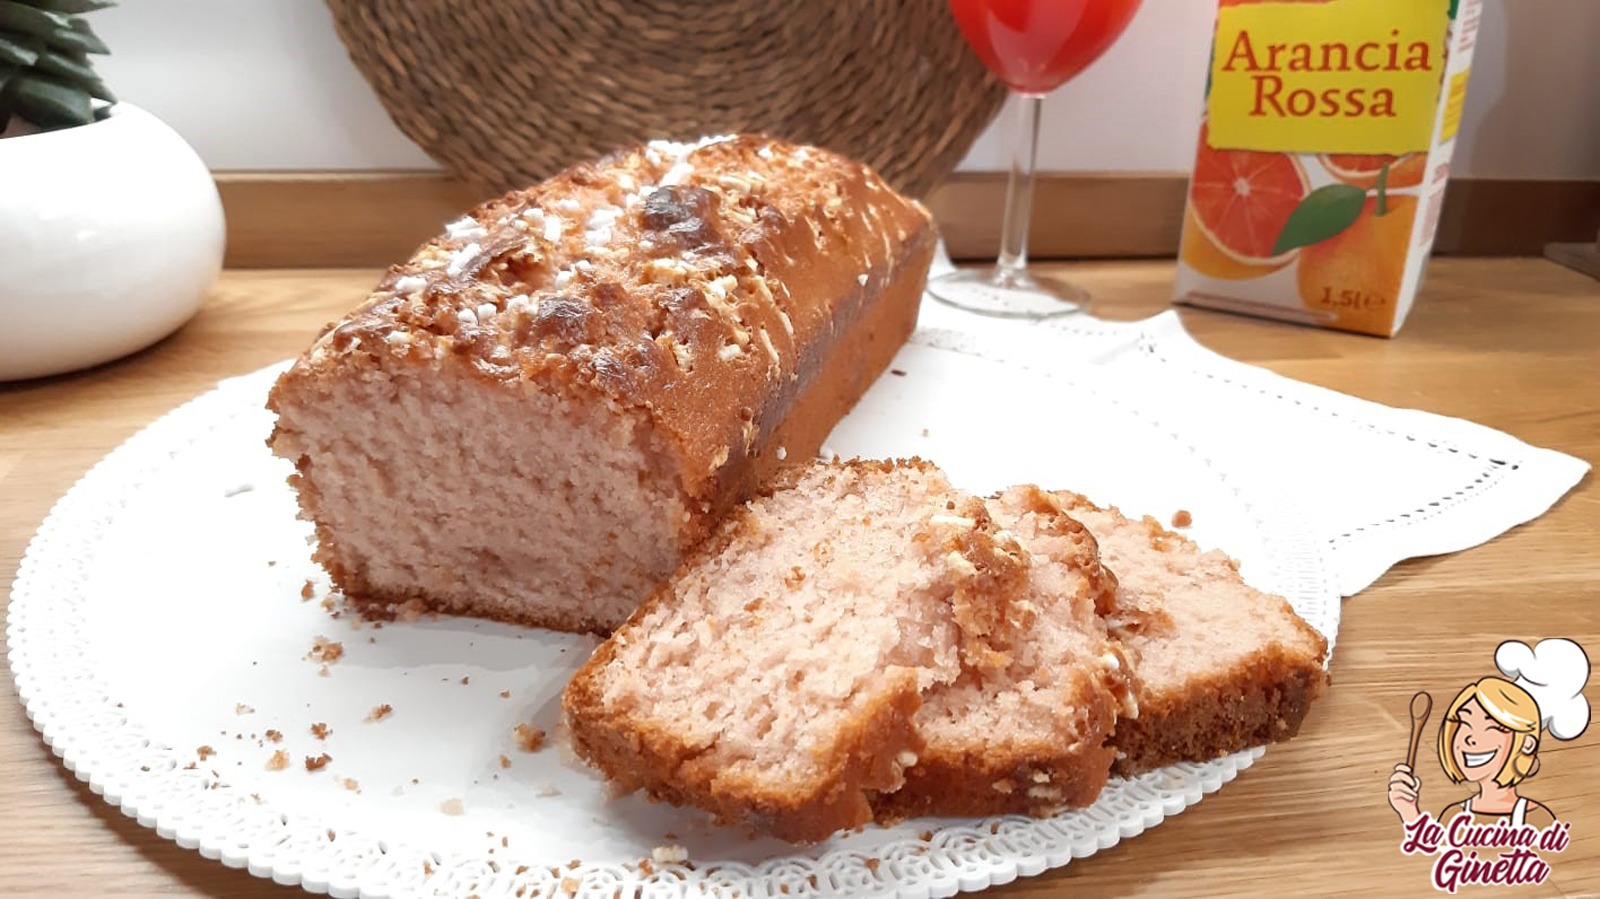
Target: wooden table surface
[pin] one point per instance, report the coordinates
(1513, 344)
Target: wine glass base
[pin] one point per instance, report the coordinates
(1007, 294)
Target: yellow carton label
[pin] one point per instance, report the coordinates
(1345, 76)
(1454, 103)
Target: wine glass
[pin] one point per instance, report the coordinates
(1034, 46)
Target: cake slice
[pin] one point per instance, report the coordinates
(774, 678)
(1219, 666)
(1032, 737)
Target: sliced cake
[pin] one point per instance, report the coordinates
(774, 678)
(1218, 665)
(1034, 736)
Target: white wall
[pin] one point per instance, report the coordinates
(265, 84)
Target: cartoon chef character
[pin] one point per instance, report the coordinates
(1491, 733)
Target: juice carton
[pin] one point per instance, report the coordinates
(1323, 157)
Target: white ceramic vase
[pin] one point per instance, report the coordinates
(110, 235)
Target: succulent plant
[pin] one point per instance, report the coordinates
(45, 75)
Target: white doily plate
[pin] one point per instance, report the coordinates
(159, 610)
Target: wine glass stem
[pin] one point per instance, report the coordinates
(1012, 265)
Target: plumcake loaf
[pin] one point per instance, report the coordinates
(538, 414)
(1218, 665)
(1033, 737)
(774, 678)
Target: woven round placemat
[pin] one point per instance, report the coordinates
(509, 92)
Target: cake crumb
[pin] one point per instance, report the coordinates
(275, 735)
(427, 869)
(321, 730)
(379, 713)
(505, 761)
(570, 884)
(452, 807)
(1182, 518)
(669, 855)
(240, 708)
(529, 739)
(308, 591)
(872, 864)
(465, 681)
(205, 752)
(926, 836)
(351, 784)
(317, 763)
(505, 694)
(325, 651)
(279, 761)
(410, 610)
(331, 835)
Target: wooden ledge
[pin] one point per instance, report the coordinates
(367, 219)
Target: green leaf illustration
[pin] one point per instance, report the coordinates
(1323, 213)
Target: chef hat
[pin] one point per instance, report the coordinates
(1553, 672)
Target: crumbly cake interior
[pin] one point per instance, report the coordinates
(773, 642)
(416, 513)
(1220, 665)
(1198, 614)
(1031, 736)
(1061, 676)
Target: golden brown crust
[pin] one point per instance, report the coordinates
(1264, 701)
(1039, 779)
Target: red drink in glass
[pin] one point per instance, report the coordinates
(1035, 46)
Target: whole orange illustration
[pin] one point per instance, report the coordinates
(1356, 273)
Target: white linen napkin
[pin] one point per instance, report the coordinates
(1444, 484)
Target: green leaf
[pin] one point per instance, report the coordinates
(73, 69)
(17, 54)
(1323, 213)
(81, 38)
(98, 90)
(16, 16)
(72, 7)
(46, 102)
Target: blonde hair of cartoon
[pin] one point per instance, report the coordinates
(1491, 733)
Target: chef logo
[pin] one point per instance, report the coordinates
(1489, 738)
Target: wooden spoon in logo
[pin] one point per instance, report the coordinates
(1421, 705)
